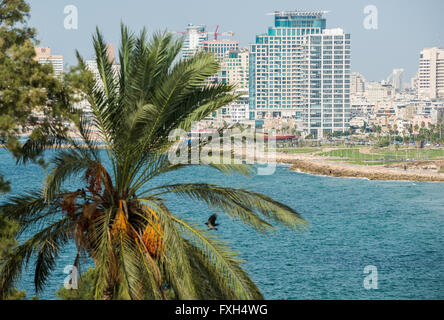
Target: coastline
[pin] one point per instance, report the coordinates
(426, 171)
(307, 163)
(361, 171)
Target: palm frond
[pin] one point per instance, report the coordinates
(47, 244)
(29, 209)
(222, 263)
(239, 203)
(67, 163)
(177, 267)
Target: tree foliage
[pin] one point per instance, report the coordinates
(32, 99)
(8, 229)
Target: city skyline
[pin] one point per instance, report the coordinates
(401, 34)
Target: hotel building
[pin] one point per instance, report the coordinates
(301, 70)
(327, 72)
(431, 73)
(234, 69)
(194, 38)
(220, 47)
(43, 56)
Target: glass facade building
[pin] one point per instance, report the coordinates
(328, 82)
(287, 80)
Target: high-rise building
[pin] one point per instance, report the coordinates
(299, 69)
(194, 38)
(357, 84)
(235, 68)
(91, 65)
(43, 56)
(396, 79)
(327, 77)
(431, 73)
(220, 47)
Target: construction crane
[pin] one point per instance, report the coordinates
(215, 33)
(228, 33)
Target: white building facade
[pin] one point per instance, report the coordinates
(431, 73)
(328, 82)
(44, 56)
(220, 47)
(194, 38)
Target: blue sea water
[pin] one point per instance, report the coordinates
(396, 226)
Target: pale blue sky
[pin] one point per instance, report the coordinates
(404, 27)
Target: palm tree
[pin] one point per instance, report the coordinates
(120, 219)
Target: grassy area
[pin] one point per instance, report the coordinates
(414, 154)
(441, 170)
(384, 155)
(371, 156)
(353, 156)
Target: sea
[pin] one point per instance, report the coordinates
(366, 239)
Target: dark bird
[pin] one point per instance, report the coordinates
(211, 223)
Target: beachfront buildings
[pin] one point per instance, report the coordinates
(44, 56)
(234, 66)
(194, 38)
(431, 73)
(327, 74)
(91, 65)
(220, 47)
(234, 69)
(301, 70)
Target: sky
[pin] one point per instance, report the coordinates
(404, 28)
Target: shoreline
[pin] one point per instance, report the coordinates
(423, 171)
(364, 172)
(317, 165)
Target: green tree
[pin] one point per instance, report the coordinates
(27, 87)
(120, 219)
(7, 243)
(8, 229)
